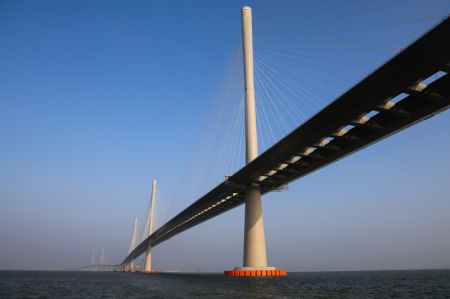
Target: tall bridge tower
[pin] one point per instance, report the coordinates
(148, 255)
(129, 267)
(255, 257)
(254, 239)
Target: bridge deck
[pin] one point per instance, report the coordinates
(395, 96)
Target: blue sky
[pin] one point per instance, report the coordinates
(97, 98)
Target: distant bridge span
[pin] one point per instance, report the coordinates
(387, 101)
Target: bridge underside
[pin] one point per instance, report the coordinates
(395, 96)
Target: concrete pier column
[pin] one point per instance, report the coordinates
(148, 255)
(254, 239)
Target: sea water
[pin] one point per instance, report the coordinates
(370, 284)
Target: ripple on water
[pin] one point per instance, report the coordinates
(370, 284)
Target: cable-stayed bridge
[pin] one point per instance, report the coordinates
(411, 87)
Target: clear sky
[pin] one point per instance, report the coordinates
(97, 98)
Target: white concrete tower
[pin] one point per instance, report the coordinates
(148, 255)
(255, 257)
(133, 242)
(129, 267)
(102, 257)
(254, 239)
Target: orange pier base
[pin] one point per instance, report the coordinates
(242, 273)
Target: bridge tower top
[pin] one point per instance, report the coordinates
(251, 134)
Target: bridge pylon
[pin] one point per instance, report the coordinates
(129, 267)
(255, 256)
(148, 255)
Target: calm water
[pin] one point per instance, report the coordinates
(377, 284)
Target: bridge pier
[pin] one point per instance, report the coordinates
(128, 268)
(255, 257)
(254, 237)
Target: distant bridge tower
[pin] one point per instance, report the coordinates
(148, 255)
(255, 257)
(129, 267)
(102, 257)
